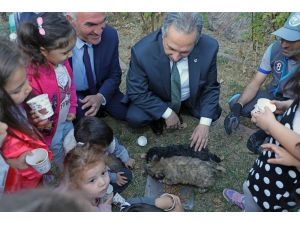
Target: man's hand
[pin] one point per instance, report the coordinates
(200, 137)
(173, 121)
(121, 179)
(130, 164)
(18, 163)
(93, 102)
(232, 120)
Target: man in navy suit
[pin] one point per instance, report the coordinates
(149, 93)
(101, 42)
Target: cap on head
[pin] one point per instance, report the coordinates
(291, 29)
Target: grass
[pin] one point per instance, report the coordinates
(237, 159)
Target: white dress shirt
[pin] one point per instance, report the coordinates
(183, 69)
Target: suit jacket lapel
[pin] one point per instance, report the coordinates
(194, 71)
(163, 62)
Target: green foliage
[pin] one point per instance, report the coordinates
(124, 14)
(263, 24)
(151, 21)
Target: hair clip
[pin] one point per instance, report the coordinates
(39, 21)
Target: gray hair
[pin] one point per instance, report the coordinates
(186, 22)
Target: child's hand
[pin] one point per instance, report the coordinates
(169, 202)
(264, 120)
(3, 132)
(3, 128)
(38, 122)
(121, 179)
(71, 117)
(285, 158)
(18, 163)
(130, 164)
(281, 106)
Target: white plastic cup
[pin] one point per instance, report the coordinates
(41, 105)
(39, 160)
(262, 103)
(109, 193)
(142, 141)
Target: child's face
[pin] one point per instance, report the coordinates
(17, 86)
(95, 181)
(59, 56)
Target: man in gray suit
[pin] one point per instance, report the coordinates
(171, 70)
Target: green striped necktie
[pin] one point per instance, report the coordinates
(175, 89)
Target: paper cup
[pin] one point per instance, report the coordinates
(142, 141)
(39, 160)
(261, 103)
(41, 105)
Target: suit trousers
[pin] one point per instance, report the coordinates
(137, 117)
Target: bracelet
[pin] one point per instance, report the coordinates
(173, 204)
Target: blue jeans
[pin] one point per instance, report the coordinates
(56, 145)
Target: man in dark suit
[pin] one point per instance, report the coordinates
(96, 67)
(151, 81)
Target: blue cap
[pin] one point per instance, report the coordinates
(291, 29)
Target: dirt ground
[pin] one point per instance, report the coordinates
(236, 65)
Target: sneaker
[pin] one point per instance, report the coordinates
(255, 141)
(157, 126)
(234, 197)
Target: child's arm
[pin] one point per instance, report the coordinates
(3, 132)
(282, 106)
(286, 137)
(112, 177)
(169, 202)
(73, 97)
(120, 151)
(19, 162)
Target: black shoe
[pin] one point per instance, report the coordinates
(255, 141)
(157, 126)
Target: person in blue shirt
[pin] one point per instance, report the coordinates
(281, 60)
(96, 66)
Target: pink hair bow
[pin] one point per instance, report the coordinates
(39, 21)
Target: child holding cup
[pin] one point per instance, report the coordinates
(48, 40)
(21, 137)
